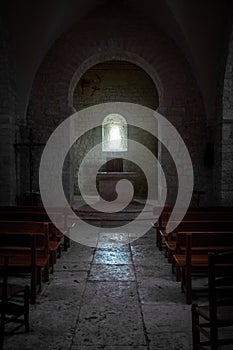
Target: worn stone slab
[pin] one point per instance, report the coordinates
(100, 347)
(49, 318)
(79, 252)
(171, 341)
(144, 255)
(157, 290)
(157, 269)
(36, 342)
(109, 327)
(111, 273)
(121, 248)
(102, 244)
(72, 266)
(105, 294)
(110, 315)
(66, 286)
(148, 239)
(69, 278)
(112, 239)
(66, 292)
(167, 317)
(112, 257)
(51, 327)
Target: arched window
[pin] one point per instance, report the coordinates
(114, 133)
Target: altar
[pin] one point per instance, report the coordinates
(106, 182)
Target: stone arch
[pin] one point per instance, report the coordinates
(153, 51)
(111, 56)
(112, 81)
(72, 55)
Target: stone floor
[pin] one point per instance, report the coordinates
(122, 298)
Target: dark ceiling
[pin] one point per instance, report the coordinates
(198, 27)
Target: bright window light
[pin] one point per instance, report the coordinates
(114, 133)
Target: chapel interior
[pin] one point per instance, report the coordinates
(112, 114)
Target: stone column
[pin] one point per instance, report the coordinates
(226, 178)
(7, 122)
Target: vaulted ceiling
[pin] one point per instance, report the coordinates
(199, 29)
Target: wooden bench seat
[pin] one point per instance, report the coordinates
(14, 300)
(169, 209)
(193, 214)
(36, 227)
(29, 253)
(195, 256)
(17, 214)
(187, 222)
(179, 244)
(214, 225)
(208, 319)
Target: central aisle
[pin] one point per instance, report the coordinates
(113, 298)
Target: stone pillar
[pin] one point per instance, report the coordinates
(7, 122)
(225, 185)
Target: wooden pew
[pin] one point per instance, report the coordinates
(29, 254)
(213, 217)
(193, 213)
(33, 213)
(196, 226)
(31, 228)
(55, 234)
(30, 208)
(14, 300)
(166, 209)
(179, 245)
(158, 225)
(195, 257)
(210, 320)
(35, 227)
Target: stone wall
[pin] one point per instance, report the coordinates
(106, 36)
(225, 183)
(115, 81)
(7, 120)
